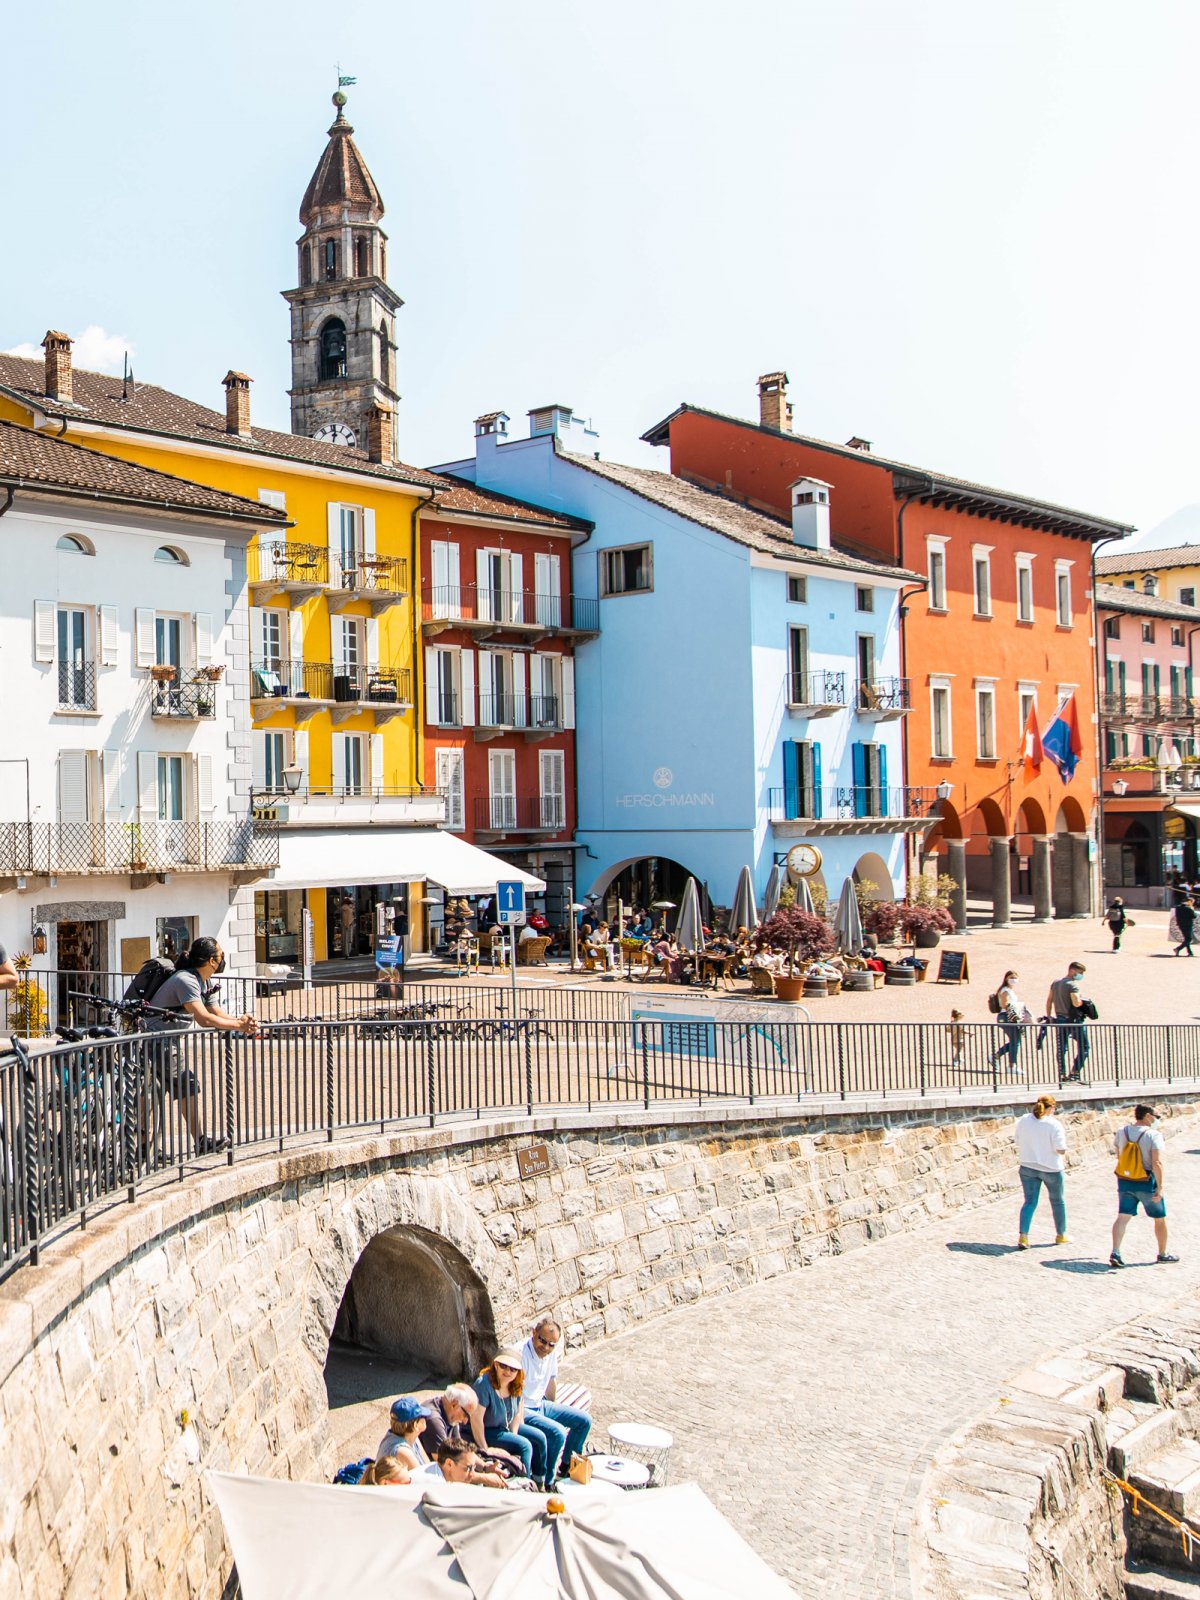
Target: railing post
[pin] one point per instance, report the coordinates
(645, 1060)
(527, 1030)
(750, 1033)
(841, 1051)
(1116, 1054)
(230, 1113)
(431, 1073)
(329, 1084)
(31, 1138)
(921, 1060)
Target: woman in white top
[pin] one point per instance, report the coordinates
(1014, 1015)
(1041, 1151)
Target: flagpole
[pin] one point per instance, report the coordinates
(1097, 680)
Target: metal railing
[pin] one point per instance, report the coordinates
(445, 708)
(282, 562)
(373, 685)
(63, 848)
(848, 802)
(279, 679)
(76, 686)
(816, 688)
(83, 1124)
(191, 702)
(883, 694)
(467, 602)
(521, 813)
(503, 711)
(370, 574)
(1116, 707)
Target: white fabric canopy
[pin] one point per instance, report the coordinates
(316, 858)
(307, 1541)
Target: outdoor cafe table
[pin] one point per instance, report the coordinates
(716, 966)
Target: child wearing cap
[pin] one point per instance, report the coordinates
(402, 1440)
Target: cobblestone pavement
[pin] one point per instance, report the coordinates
(809, 1407)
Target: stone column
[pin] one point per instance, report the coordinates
(956, 868)
(1001, 898)
(1039, 879)
(1081, 877)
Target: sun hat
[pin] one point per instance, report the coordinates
(407, 1409)
(508, 1357)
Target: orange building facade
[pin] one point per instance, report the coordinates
(1002, 624)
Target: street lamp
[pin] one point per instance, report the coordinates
(944, 790)
(664, 906)
(575, 908)
(1119, 786)
(291, 778)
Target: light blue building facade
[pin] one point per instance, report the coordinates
(743, 693)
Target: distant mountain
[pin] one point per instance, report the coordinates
(1181, 527)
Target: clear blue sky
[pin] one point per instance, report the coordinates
(968, 232)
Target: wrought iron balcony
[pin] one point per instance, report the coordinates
(883, 699)
(520, 813)
(802, 802)
(279, 566)
(382, 581)
(328, 805)
(70, 848)
(503, 711)
(817, 694)
(76, 686)
(195, 701)
(486, 610)
(1146, 708)
(373, 686)
(445, 708)
(278, 679)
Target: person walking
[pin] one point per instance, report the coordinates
(1064, 1005)
(1014, 1015)
(1041, 1154)
(1117, 920)
(1140, 1181)
(1185, 921)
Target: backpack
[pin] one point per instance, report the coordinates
(353, 1471)
(994, 1003)
(149, 979)
(1131, 1164)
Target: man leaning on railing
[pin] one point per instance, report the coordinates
(8, 973)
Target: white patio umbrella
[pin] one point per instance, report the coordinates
(743, 913)
(847, 925)
(774, 889)
(689, 925)
(307, 1541)
(804, 899)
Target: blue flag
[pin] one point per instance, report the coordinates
(1062, 742)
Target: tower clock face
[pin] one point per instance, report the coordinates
(335, 433)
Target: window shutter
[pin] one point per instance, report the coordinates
(818, 803)
(520, 705)
(859, 758)
(881, 759)
(334, 537)
(372, 630)
(110, 635)
(72, 786)
(568, 690)
(368, 527)
(453, 582)
(204, 638)
(439, 572)
(468, 688)
(376, 774)
(273, 497)
(516, 568)
(432, 709)
(147, 777)
(144, 651)
(300, 755)
(295, 644)
(483, 593)
(204, 782)
(112, 783)
(257, 637)
(258, 759)
(45, 630)
(791, 779)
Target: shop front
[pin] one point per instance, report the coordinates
(1148, 847)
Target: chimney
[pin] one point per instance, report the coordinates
(59, 381)
(810, 513)
(1150, 583)
(381, 433)
(572, 431)
(237, 404)
(492, 423)
(855, 443)
(774, 408)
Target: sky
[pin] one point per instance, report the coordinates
(966, 231)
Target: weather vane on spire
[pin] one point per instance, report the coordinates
(339, 99)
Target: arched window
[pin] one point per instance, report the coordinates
(362, 258)
(333, 349)
(169, 554)
(331, 258)
(306, 264)
(385, 354)
(76, 545)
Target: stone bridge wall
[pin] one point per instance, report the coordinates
(190, 1329)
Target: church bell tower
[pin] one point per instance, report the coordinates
(343, 313)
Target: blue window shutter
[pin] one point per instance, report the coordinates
(859, 769)
(816, 777)
(791, 780)
(883, 784)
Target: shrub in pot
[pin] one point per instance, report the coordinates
(882, 918)
(924, 925)
(803, 936)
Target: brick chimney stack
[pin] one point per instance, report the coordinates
(59, 381)
(237, 404)
(774, 407)
(380, 433)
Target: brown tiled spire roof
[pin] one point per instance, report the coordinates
(341, 178)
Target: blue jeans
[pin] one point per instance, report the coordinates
(1012, 1047)
(565, 1431)
(1064, 1033)
(1032, 1179)
(528, 1446)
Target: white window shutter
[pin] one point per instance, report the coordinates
(257, 637)
(468, 688)
(368, 527)
(337, 745)
(453, 580)
(334, 534)
(110, 635)
(112, 783)
(520, 704)
(72, 786)
(295, 637)
(204, 782)
(372, 630)
(517, 603)
(45, 630)
(147, 777)
(144, 650)
(568, 689)
(483, 593)
(204, 638)
(273, 497)
(375, 774)
(431, 685)
(258, 759)
(300, 754)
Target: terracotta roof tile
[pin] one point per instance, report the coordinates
(36, 461)
(1179, 555)
(468, 498)
(1112, 597)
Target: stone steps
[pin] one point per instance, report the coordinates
(1136, 1431)
(1169, 1479)
(1160, 1583)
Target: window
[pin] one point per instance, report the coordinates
(348, 653)
(937, 574)
(76, 671)
(168, 642)
(939, 707)
(864, 598)
(170, 788)
(1187, 597)
(1176, 635)
(274, 761)
(1026, 702)
(1024, 588)
(1112, 627)
(333, 349)
(552, 788)
(797, 684)
(981, 568)
(450, 783)
(797, 590)
(331, 258)
(76, 544)
(1062, 593)
(271, 650)
(801, 779)
(273, 497)
(868, 694)
(348, 762)
(447, 710)
(1147, 633)
(170, 556)
(869, 769)
(385, 355)
(985, 720)
(502, 790)
(627, 571)
(362, 258)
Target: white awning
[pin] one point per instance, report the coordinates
(327, 858)
(1186, 808)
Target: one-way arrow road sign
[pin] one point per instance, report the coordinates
(510, 903)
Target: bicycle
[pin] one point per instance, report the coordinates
(509, 1029)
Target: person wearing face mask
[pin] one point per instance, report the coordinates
(188, 999)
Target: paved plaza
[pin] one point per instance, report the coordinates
(809, 1407)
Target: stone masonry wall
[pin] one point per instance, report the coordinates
(190, 1329)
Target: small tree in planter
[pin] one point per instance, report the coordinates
(28, 1010)
(802, 935)
(882, 918)
(924, 925)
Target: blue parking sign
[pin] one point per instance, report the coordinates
(510, 903)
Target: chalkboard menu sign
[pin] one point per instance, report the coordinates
(952, 968)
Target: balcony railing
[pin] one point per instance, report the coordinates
(76, 686)
(883, 697)
(521, 813)
(372, 685)
(285, 565)
(792, 803)
(1148, 708)
(503, 711)
(816, 689)
(291, 680)
(63, 848)
(189, 702)
(334, 804)
(469, 605)
(445, 708)
(368, 574)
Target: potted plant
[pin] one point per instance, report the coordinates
(212, 674)
(803, 936)
(137, 861)
(29, 1010)
(925, 925)
(204, 704)
(882, 918)
(162, 673)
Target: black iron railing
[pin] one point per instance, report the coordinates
(279, 561)
(503, 711)
(84, 1124)
(280, 679)
(848, 802)
(883, 694)
(521, 813)
(373, 685)
(816, 688)
(445, 708)
(76, 686)
(190, 702)
(525, 608)
(62, 848)
(370, 574)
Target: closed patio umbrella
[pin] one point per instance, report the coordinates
(847, 927)
(689, 925)
(804, 899)
(771, 897)
(744, 913)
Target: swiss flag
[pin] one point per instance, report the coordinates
(1031, 744)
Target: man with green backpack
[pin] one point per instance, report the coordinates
(1140, 1181)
